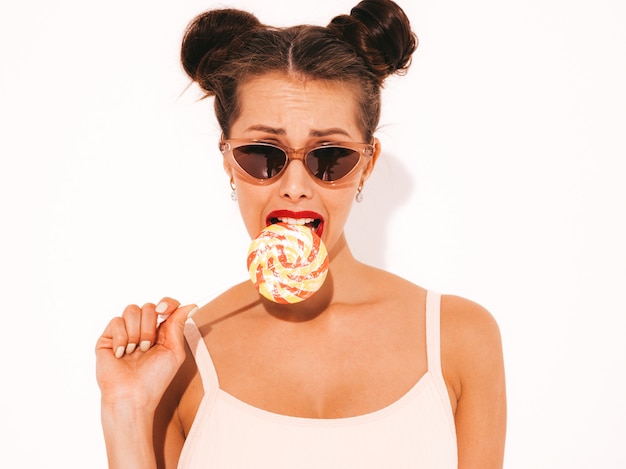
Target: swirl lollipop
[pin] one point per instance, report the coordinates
(287, 263)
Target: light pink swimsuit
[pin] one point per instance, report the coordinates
(416, 431)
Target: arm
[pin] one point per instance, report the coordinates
(128, 436)
(134, 379)
(473, 367)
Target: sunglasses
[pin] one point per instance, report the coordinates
(328, 162)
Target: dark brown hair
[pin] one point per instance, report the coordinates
(223, 48)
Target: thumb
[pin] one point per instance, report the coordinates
(170, 333)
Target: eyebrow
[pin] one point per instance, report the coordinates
(267, 129)
(312, 133)
(327, 132)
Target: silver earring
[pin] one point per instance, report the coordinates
(359, 195)
(233, 194)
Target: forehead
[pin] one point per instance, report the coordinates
(288, 102)
(279, 81)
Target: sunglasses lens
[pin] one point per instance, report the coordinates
(260, 161)
(331, 163)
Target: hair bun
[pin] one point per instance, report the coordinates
(381, 33)
(209, 38)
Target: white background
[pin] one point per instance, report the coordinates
(501, 180)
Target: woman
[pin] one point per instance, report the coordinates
(371, 371)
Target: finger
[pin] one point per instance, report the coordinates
(114, 337)
(170, 334)
(166, 307)
(132, 318)
(148, 327)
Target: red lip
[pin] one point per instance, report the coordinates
(318, 224)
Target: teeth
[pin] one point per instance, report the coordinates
(298, 221)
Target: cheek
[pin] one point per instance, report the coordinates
(251, 200)
(339, 204)
(344, 194)
(343, 199)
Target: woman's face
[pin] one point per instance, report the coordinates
(296, 114)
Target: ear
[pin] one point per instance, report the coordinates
(372, 162)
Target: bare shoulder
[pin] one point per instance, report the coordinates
(473, 368)
(467, 322)
(385, 285)
(470, 341)
(227, 305)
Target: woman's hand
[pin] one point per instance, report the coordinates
(136, 358)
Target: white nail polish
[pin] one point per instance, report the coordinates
(161, 318)
(119, 352)
(144, 346)
(130, 348)
(161, 307)
(192, 312)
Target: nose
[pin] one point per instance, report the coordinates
(296, 183)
